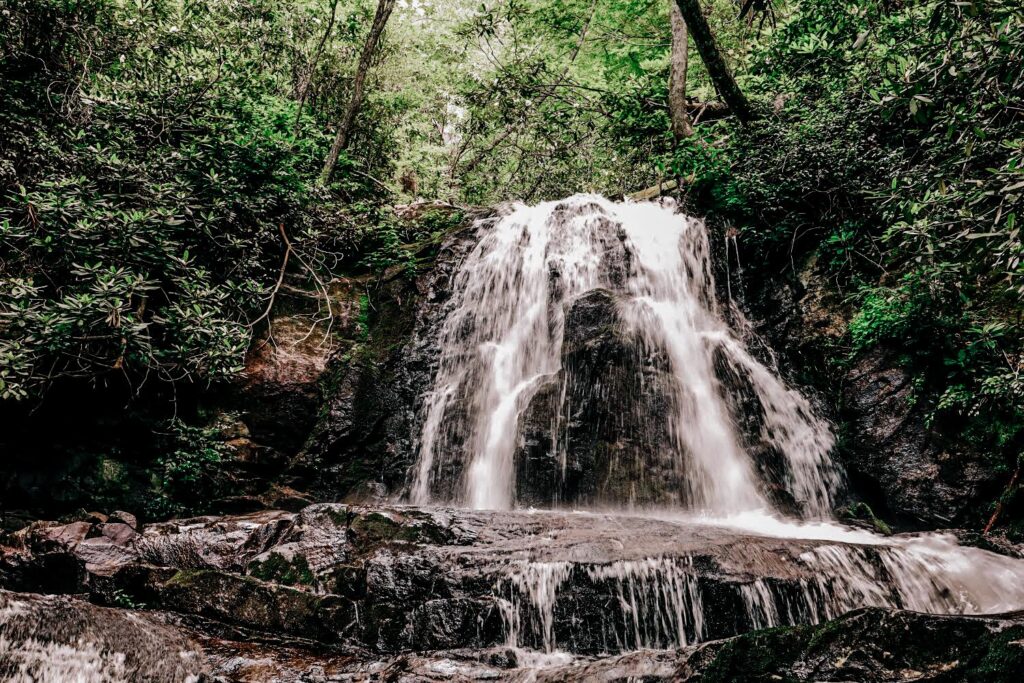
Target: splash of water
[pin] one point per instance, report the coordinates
(503, 336)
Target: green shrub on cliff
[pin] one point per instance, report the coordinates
(894, 148)
(152, 165)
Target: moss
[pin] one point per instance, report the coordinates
(1003, 660)
(363, 318)
(825, 633)
(374, 528)
(278, 569)
(185, 576)
(863, 512)
(760, 656)
(339, 515)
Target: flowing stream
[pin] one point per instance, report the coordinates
(732, 439)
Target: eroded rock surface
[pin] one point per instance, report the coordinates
(349, 593)
(50, 638)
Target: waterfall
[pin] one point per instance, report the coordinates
(502, 341)
(584, 339)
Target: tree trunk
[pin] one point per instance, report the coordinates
(681, 127)
(719, 71)
(307, 80)
(380, 20)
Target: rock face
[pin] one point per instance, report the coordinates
(56, 638)
(614, 412)
(894, 460)
(339, 592)
(866, 645)
(361, 445)
(401, 579)
(912, 469)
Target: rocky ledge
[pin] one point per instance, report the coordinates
(57, 638)
(338, 592)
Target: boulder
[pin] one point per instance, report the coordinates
(901, 460)
(57, 638)
(124, 518)
(868, 645)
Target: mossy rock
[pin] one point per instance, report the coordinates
(282, 570)
(250, 602)
(870, 644)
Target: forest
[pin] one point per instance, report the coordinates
(229, 231)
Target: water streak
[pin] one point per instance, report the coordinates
(657, 603)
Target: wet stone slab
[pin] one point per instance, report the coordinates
(394, 579)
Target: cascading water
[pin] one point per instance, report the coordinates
(706, 434)
(503, 338)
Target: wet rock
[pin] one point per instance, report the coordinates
(95, 517)
(257, 604)
(103, 556)
(281, 393)
(395, 581)
(901, 466)
(362, 443)
(213, 542)
(868, 645)
(55, 638)
(66, 534)
(124, 518)
(118, 533)
(647, 666)
(591, 433)
(901, 459)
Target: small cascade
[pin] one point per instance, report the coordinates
(760, 605)
(664, 603)
(538, 582)
(658, 603)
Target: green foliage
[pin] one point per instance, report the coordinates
(920, 308)
(151, 156)
(189, 463)
(895, 153)
(393, 241)
(119, 598)
(363, 321)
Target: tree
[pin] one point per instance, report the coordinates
(718, 70)
(306, 81)
(341, 138)
(681, 127)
